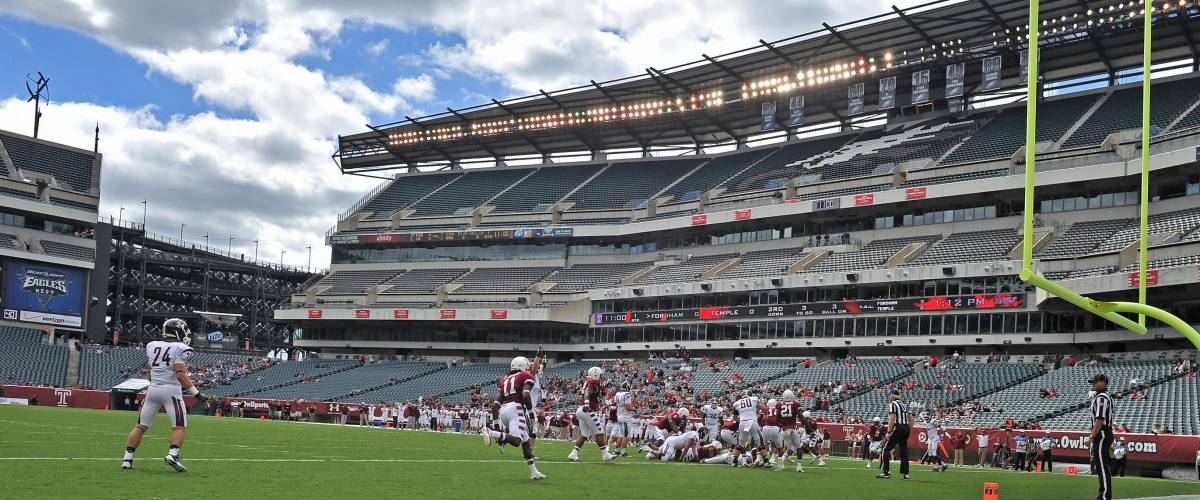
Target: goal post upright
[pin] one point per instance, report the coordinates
(1111, 311)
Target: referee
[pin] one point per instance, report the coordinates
(897, 436)
(1102, 435)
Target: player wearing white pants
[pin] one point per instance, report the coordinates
(512, 419)
(168, 380)
(773, 436)
(679, 447)
(748, 408)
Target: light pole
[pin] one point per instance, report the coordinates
(121, 215)
(205, 242)
(255, 249)
(145, 207)
(229, 249)
(181, 226)
(281, 252)
(309, 267)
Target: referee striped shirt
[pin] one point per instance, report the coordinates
(1102, 407)
(900, 410)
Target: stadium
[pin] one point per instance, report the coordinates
(845, 220)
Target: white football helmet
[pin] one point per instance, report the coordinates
(807, 414)
(876, 420)
(771, 403)
(683, 412)
(519, 363)
(177, 329)
(595, 372)
(788, 395)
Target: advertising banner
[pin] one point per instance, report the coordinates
(44, 293)
(991, 73)
(768, 116)
(855, 95)
(795, 111)
(955, 74)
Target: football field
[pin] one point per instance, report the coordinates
(70, 453)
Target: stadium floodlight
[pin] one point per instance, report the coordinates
(1111, 311)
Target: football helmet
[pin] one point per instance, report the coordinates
(788, 395)
(806, 414)
(595, 372)
(683, 412)
(177, 329)
(519, 363)
(771, 403)
(876, 420)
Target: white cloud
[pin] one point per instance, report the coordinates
(377, 48)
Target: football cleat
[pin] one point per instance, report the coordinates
(537, 476)
(127, 465)
(906, 478)
(607, 456)
(573, 456)
(800, 466)
(487, 437)
(884, 475)
(175, 463)
(820, 462)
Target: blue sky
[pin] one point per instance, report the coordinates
(224, 113)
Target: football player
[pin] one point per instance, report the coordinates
(748, 408)
(623, 401)
(812, 439)
(712, 414)
(167, 360)
(512, 408)
(875, 433)
(588, 414)
(771, 432)
(683, 447)
(789, 413)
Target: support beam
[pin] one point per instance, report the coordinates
(845, 41)
(703, 112)
(390, 149)
(924, 36)
(624, 126)
(432, 143)
(1108, 67)
(564, 109)
(991, 12)
(473, 138)
(778, 53)
(528, 140)
(736, 76)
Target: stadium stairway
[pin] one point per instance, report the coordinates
(873, 388)
(345, 397)
(292, 382)
(980, 394)
(72, 379)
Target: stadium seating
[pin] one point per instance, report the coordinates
(1181, 260)
(581, 277)
(501, 279)
(349, 383)
(1122, 111)
(878, 153)
(970, 379)
(450, 380)
(970, 247)
(714, 173)
(103, 367)
(598, 221)
(627, 185)
(355, 282)
(468, 192)
(403, 191)
(1183, 221)
(281, 374)
(684, 271)
(72, 169)
(831, 193)
(1023, 401)
(1083, 237)
(423, 280)
(1004, 134)
(946, 179)
(10, 241)
(546, 186)
(765, 263)
(778, 167)
(24, 359)
(69, 251)
(870, 256)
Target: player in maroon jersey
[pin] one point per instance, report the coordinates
(512, 409)
(771, 432)
(729, 432)
(789, 417)
(589, 415)
(876, 432)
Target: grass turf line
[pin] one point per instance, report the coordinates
(72, 453)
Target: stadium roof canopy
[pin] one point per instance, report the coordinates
(1079, 38)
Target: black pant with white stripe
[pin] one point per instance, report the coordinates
(1104, 463)
(899, 442)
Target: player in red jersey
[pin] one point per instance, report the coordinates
(789, 417)
(876, 432)
(729, 432)
(512, 408)
(589, 414)
(771, 432)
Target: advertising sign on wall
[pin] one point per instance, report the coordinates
(44, 293)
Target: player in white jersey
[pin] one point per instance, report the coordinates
(680, 448)
(535, 369)
(625, 425)
(748, 409)
(712, 414)
(167, 359)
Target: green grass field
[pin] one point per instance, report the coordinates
(70, 453)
